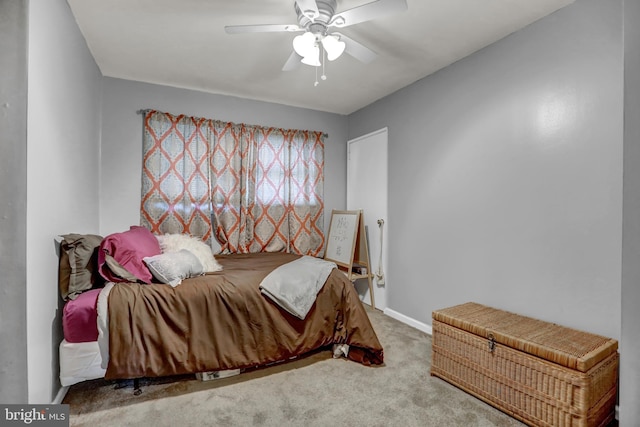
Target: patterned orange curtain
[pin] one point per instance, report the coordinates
(175, 175)
(262, 187)
(268, 189)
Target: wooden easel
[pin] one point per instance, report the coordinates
(347, 246)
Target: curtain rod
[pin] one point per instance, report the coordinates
(146, 110)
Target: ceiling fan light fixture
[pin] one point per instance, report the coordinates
(313, 57)
(304, 44)
(334, 47)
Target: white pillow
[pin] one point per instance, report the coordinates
(175, 242)
(172, 267)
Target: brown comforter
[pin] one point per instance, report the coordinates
(222, 321)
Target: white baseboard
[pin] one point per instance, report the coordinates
(60, 396)
(408, 320)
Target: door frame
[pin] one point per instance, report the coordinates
(382, 296)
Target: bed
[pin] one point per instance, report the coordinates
(216, 321)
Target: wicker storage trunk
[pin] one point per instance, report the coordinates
(540, 373)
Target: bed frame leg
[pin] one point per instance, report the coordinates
(137, 391)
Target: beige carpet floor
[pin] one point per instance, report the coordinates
(316, 390)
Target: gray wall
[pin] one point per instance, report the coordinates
(630, 345)
(13, 192)
(506, 180)
(505, 175)
(63, 154)
(122, 140)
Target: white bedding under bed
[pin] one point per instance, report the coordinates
(80, 362)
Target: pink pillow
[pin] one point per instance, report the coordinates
(120, 256)
(80, 317)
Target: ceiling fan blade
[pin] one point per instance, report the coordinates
(309, 8)
(368, 12)
(268, 28)
(293, 62)
(357, 50)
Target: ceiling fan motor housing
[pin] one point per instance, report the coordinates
(318, 25)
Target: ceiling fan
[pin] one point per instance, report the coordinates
(317, 19)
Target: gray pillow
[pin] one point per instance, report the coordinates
(172, 267)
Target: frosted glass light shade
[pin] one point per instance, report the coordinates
(333, 46)
(304, 44)
(313, 57)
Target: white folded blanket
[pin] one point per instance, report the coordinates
(295, 285)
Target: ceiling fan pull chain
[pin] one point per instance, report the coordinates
(316, 83)
(323, 76)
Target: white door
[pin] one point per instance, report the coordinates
(367, 190)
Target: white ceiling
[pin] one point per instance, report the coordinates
(183, 44)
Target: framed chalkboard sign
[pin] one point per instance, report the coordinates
(341, 240)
